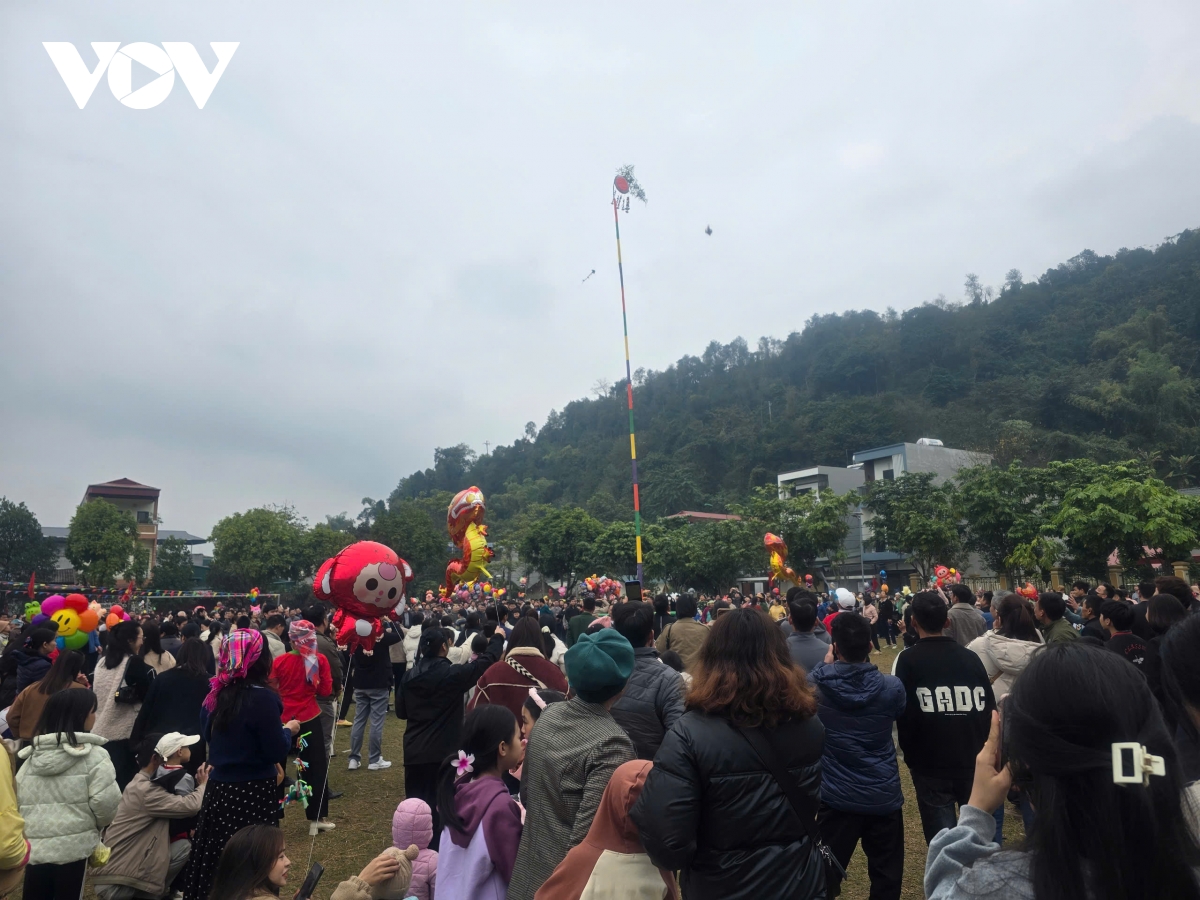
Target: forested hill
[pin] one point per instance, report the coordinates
(1098, 358)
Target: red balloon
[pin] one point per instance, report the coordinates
(77, 602)
(622, 184)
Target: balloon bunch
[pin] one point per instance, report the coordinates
(942, 577)
(602, 586)
(778, 567)
(116, 615)
(72, 617)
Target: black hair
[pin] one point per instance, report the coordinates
(316, 613)
(447, 622)
(528, 633)
(662, 603)
(1052, 605)
(1146, 590)
(62, 673)
(634, 621)
(961, 593)
(120, 643)
(1016, 621)
(685, 607)
(229, 701)
(242, 623)
(548, 696)
(1094, 602)
(1177, 588)
(431, 641)
(1081, 586)
(1179, 650)
(65, 713)
(39, 637)
(478, 642)
(672, 659)
(803, 614)
(193, 657)
(483, 730)
(930, 611)
(852, 634)
(169, 629)
(589, 603)
(190, 630)
(1119, 613)
(275, 621)
(145, 750)
(1070, 705)
(244, 869)
(151, 638)
(1163, 611)
(417, 617)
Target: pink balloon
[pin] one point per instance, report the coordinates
(53, 604)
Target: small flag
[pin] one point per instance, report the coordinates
(30, 591)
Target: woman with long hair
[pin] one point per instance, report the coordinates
(1007, 649)
(174, 700)
(66, 672)
(1179, 650)
(68, 793)
(153, 653)
(711, 796)
(239, 719)
(481, 822)
(301, 675)
(255, 866)
(526, 665)
(122, 679)
(1094, 838)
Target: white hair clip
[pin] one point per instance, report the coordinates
(1133, 764)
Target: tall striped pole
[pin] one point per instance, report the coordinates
(637, 507)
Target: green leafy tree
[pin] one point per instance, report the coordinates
(708, 557)
(1099, 508)
(318, 544)
(812, 527)
(1005, 509)
(614, 551)
(173, 569)
(23, 550)
(407, 528)
(257, 548)
(559, 544)
(103, 544)
(915, 517)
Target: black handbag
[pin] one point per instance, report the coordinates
(803, 807)
(132, 693)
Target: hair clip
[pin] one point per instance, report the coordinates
(537, 698)
(464, 765)
(1132, 764)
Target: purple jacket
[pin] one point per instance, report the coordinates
(477, 862)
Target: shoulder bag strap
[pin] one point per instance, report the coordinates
(668, 634)
(521, 670)
(804, 808)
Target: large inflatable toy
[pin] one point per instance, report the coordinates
(71, 616)
(366, 581)
(780, 571)
(464, 521)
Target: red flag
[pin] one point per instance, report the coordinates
(31, 577)
(128, 593)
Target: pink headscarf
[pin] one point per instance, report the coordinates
(304, 642)
(238, 654)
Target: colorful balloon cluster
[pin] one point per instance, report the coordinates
(942, 576)
(602, 586)
(116, 615)
(71, 615)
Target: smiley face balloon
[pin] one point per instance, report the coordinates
(74, 620)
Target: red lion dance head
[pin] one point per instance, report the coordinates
(365, 582)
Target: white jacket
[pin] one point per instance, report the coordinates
(1004, 658)
(67, 795)
(412, 637)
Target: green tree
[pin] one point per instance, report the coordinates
(23, 550)
(257, 548)
(559, 544)
(103, 544)
(915, 517)
(407, 528)
(173, 569)
(614, 551)
(812, 527)
(1004, 510)
(1099, 508)
(708, 557)
(318, 544)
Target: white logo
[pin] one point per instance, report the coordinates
(164, 61)
(959, 698)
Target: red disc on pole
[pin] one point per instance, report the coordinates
(622, 184)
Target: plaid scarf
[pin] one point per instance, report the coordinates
(304, 642)
(238, 654)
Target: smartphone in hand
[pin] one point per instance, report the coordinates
(310, 882)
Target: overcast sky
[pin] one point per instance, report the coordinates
(372, 240)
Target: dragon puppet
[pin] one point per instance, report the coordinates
(366, 581)
(780, 571)
(464, 521)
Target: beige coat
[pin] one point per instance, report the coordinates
(23, 715)
(685, 638)
(140, 835)
(1004, 658)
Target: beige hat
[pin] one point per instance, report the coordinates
(172, 742)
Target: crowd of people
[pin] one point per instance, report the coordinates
(688, 746)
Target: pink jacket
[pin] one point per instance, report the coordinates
(412, 823)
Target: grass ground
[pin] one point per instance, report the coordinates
(364, 819)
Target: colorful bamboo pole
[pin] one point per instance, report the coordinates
(637, 507)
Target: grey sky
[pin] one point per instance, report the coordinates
(371, 241)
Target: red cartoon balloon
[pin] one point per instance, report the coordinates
(366, 581)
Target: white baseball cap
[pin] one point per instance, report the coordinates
(172, 742)
(845, 599)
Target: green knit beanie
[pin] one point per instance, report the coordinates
(598, 665)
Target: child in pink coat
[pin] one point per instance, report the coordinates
(412, 823)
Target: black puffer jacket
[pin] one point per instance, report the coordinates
(710, 808)
(651, 704)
